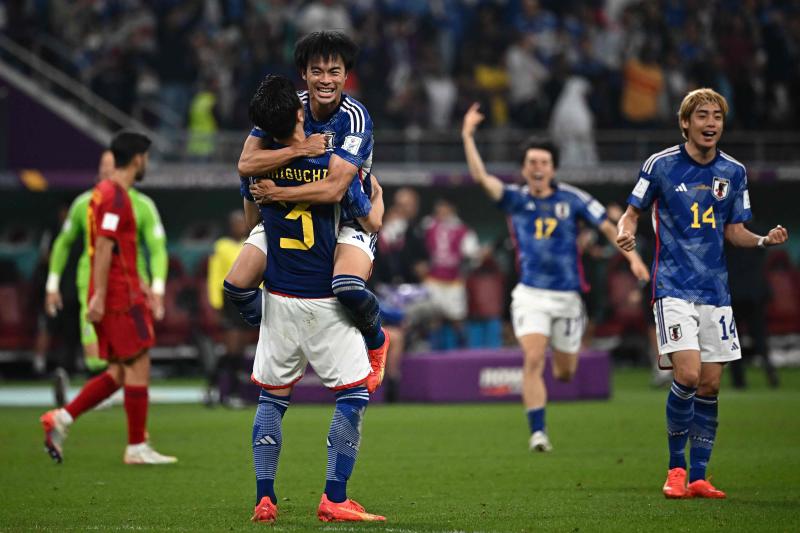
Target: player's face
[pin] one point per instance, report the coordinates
(538, 169)
(704, 127)
(325, 79)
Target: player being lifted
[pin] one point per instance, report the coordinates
(546, 306)
(303, 323)
(699, 198)
(117, 306)
(150, 233)
(338, 124)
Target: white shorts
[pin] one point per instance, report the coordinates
(360, 239)
(447, 299)
(298, 331)
(555, 314)
(683, 325)
(258, 238)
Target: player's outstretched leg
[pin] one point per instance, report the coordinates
(680, 413)
(267, 441)
(247, 301)
(344, 440)
(362, 306)
(702, 435)
(56, 421)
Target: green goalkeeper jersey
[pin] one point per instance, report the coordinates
(150, 233)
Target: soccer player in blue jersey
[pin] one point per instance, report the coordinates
(340, 125)
(546, 307)
(699, 197)
(303, 323)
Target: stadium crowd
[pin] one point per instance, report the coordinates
(425, 61)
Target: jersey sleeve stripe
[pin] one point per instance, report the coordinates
(650, 163)
(356, 112)
(649, 159)
(732, 160)
(583, 195)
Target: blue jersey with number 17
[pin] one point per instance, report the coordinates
(692, 203)
(301, 238)
(546, 233)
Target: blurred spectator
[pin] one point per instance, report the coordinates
(644, 83)
(226, 378)
(324, 15)
(451, 245)
(486, 292)
(202, 126)
(526, 75)
(572, 125)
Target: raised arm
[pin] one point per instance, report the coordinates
(255, 160)
(638, 268)
(491, 184)
(740, 236)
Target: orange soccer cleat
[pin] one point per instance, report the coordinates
(675, 486)
(347, 511)
(377, 360)
(265, 511)
(704, 489)
(55, 431)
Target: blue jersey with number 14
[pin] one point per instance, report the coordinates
(301, 238)
(692, 203)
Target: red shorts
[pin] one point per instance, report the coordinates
(124, 334)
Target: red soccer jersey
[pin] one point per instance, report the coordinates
(111, 215)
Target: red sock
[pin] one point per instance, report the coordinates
(136, 409)
(95, 391)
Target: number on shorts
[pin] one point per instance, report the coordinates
(727, 331)
(300, 211)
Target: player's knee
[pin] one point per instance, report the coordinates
(534, 364)
(688, 377)
(708, 387)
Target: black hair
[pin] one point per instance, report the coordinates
(539, 143)
(327, 45)
(274, 106)
(126, 145)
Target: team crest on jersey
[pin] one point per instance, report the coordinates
(329, 136)
(675, 332)
(562, 210)
(720, 187)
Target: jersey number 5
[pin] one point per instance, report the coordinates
(545, 227)
(708, 216)
(300, 211)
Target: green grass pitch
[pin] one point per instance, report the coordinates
(427, 468)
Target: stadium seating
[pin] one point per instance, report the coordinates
(179, 301)
(626, 311)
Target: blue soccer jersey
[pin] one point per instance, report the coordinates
(691, 205)
(546, 233)
(301, 238)
(348, 133)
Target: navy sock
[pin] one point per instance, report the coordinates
(363, 307)
(267, 439)
(680, 412)
(344, 439)
(247, 301)
(701, 435)
(536, 419)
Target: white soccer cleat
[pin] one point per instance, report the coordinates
(144, 454)
(539, 442)
(55, 423)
